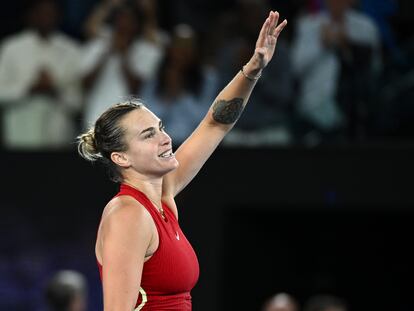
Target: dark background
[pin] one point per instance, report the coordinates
(261, 221)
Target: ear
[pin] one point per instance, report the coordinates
(120, 159)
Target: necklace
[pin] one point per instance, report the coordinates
(160, 209)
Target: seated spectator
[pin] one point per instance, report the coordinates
(335, 53)
(281, 302)
(325, 303)
(119, 59)
(39, 89)
(66, 291)
(184, 88)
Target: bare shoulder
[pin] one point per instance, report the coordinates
(123, 217)
(125, 210)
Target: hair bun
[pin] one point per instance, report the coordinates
(87, 146)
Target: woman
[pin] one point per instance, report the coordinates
(145, 260)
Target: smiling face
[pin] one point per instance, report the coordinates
(149, 151)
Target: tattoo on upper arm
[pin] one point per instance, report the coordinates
(227, 111)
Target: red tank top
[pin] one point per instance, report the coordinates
(172, 271)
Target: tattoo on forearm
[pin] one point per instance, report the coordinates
(227, 111)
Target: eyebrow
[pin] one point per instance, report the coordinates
(151, 128)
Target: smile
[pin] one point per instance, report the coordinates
(167, 154)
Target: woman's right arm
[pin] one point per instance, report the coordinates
(224, 112)
(125, 236)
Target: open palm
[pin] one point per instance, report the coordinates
(266, 43)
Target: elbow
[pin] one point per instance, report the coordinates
(215, 124)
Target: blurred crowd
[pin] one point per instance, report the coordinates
(341, 74)
(67, 290)
(319, 302)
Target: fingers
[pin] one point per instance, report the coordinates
(279, 28)
(264, 31)
(270, 27)
(274, 28)
(274, 19)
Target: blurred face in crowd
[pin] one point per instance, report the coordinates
(183, 47)
(126, 22)
(337, 8)
(149, 148)
(281, 302)
(78, 303)
(44, 16)
(147, 6)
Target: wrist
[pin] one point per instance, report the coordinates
(253, 67)
(251, 72)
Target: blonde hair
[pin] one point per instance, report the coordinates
(107, 136)
(87, 145)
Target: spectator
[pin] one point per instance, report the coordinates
(98, 22)
(112, 64)
(281, 302)
(337, 45)
(38, 83)
(66, 291)
(184, 88)
(325, 303)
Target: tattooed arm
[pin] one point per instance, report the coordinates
(224, 112)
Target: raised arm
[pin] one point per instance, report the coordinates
(224, 112)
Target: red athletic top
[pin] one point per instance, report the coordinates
(172, 271)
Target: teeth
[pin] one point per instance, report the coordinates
(167, 154)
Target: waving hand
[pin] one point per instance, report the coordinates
(266, 43)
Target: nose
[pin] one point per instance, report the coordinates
(166, 139)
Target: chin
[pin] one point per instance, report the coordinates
(172, 167)
(175, 165)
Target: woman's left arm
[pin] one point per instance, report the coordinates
(224, 112)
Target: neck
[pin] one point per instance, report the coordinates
(338, 17)
(152, 188)
(45, 36)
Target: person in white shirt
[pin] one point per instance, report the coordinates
(39, 85)
(322, 43)
(184, 86)
(117, 60)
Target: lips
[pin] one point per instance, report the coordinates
(166, 154)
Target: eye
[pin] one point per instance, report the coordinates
(162, 128)
(151, 134)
